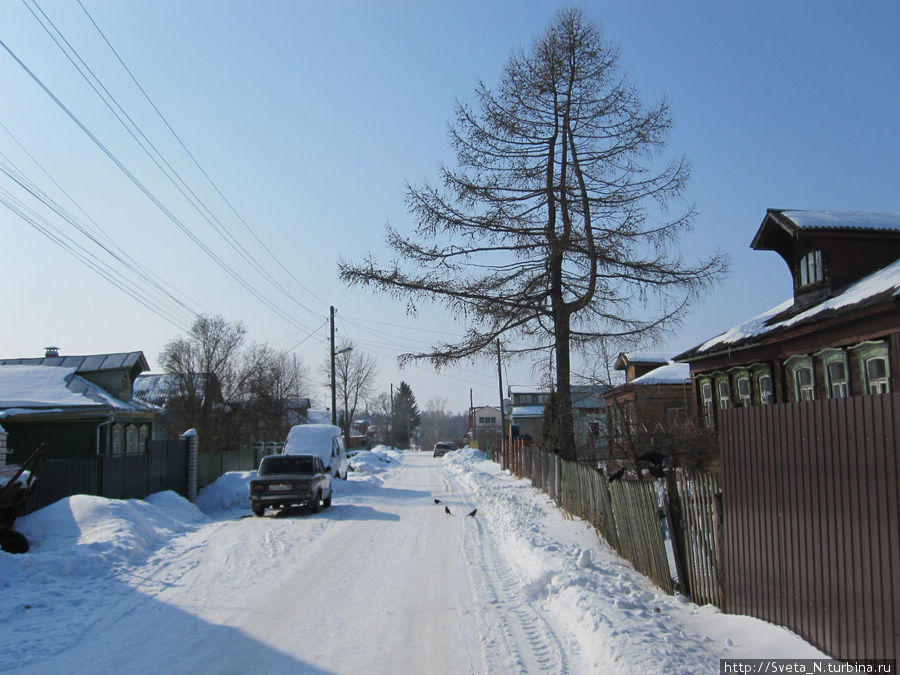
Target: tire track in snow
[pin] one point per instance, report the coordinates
(518, 637)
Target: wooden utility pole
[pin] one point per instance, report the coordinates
(502, 414)
(333, 392)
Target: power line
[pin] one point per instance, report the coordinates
(197, 163)
(233, 274)
(169, 171)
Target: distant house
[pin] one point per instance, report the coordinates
(78, 405)
(839, 333)
(650, 407)
(589, 418)
(485, 427)
(528, 403)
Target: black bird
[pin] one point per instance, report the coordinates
(437, 501)
(656, 471)
(616, 475)
(472, 512)
(447, 511)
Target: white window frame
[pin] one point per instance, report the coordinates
(811, 269)
(706, 387)
(835, 388)
(868, 352)
(807, 391)
(724, 401)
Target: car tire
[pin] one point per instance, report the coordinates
(327, 501)
(316, 504)
(258, 511)
(13, 542)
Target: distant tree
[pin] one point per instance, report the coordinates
(232, 393)
(275, 384)
(208, 376)
(354, 380)
(555, 227)
(406, 416)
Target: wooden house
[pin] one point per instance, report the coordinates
(837, 336)
(80, 406)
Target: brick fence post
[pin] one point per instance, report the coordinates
(191, 436)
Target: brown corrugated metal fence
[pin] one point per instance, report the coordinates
(811, 521)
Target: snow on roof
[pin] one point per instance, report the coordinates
(671, 373)
(829, 220)
(528, 389)
(885, 281)
(31, 388)
(648, 357)
(87, 363)
(528, 411)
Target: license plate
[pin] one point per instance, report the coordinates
(279, 487)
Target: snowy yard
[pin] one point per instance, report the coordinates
(384, 581)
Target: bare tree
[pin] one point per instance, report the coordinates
(354, 379)
(555, 225)
(232, 393)
(209, 376)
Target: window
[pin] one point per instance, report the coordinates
(875, 368)
(837, 379)
(804, 382)
(131, 440)
(877, 375)
(811, 269)
(706, 395)
(743, 391)
(724, 394)
(765, 388)
(487, 420)
(116, 438)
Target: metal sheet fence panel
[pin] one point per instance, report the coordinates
(811, 518)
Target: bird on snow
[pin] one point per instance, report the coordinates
(447, 511)
(616, 475)
(472, 512)
(437, 501)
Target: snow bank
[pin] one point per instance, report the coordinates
(229, 492)
(599, 596)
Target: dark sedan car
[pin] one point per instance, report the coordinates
(443, 447)
(289, 480)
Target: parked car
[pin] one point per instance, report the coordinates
(290, 480)
(324, 440)
(443, 447)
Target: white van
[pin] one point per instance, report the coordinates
(324, 440)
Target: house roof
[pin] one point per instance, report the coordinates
(671, 373)
(528, 411)
(30, 389)
(878, 287)
(528, 389)
(643, 358)
(83, 364)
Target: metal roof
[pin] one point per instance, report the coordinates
(86, 364)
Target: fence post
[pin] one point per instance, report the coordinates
(191, 437)
(676, 533)
(3, 436)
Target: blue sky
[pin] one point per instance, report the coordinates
(311, 116)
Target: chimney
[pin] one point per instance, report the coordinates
(50, 352)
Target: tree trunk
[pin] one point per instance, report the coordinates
(566, 428)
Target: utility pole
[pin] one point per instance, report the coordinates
(333, 392)
(502, 414)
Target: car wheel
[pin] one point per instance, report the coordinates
(327, 501)
(13, 542)
(316, 504)
(258, 511)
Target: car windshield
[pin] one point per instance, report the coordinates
(446, 445)
(286, 464)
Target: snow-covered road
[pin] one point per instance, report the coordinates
(384, 581)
